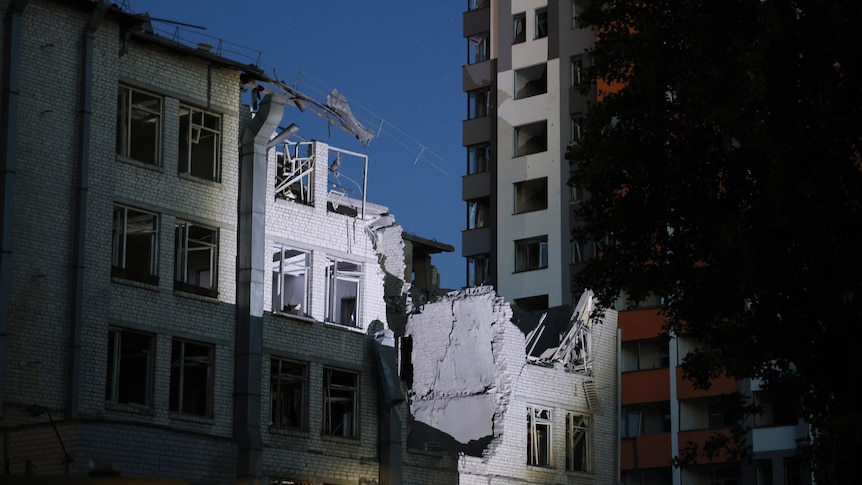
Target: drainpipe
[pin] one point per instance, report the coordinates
(251, 273)
(8, 140)
(83, 188)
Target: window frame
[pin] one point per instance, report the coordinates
(542, 22)
(520, 190)
(576, 128)
(519, 20)
(524, 136)
(576, 70)
(477, 163)
(178, 381)
(182, 252)
(524, 253)
(351, 431)
(478, 213)
(191, 135)
(333, 276)
(540, 416)
(277, 379)
(128, 137)
(300, 306)
(531, 81)
(479, 103)
(473, 262)
(115, 375)
(478, 48)
(120, 246)
(585, 464)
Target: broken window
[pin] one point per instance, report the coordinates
(191, 378)
(531, 195)
(478, 213)
(289, 390)
(577, 251)
(134, 245)
(576, 70)
(478, 158)
(578, 447)
(478, 103)
(477, 4)
(531, 138)
(294, 177)
(139, 125)
(644, 355)
(196, 259)
(531, 254)
(520, 28)
(342, 291)
(576, 130)
(200, 143)
(130, 367)
(478, 270)
(290, 280)
(539, 436)
(536, 303)
(478, 48)
(541, 23)
(340, 403)
(531, 81)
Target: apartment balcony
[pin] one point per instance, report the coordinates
(477, 21)
(641, 324)
(646, 451)
(476, 185)
(479, 75)
(699, 438)
(476, 241)
(477, 130)
(685, 388)
(645, 386)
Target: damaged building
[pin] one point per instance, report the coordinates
(527, 398)
(186, 292)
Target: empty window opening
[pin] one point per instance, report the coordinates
(478, 213)
(538, 303)
(645, 354)
(478, 158)
(340, 403)
(519, 22)
(134, 252)
(576, 70)
(289, 393)
(342, 292)
(531, 138)
(539, 436)
(478, 103)
(541, 23)
(478, 48)
(478, 270)
(130, 368)
(578, 447)
(477, 4)
(346, 182)
(531, 81)
(191, 378)
(196, 259)
(576, 128)
(531, 254)
(139, 125)
(290, 280)
(531, 195)
(294, 176)
(200, 143)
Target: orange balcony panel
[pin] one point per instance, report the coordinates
(640, 324)
(645, 386)
(685, 389)
(700, 437)
(646, 451)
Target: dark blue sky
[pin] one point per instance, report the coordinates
(399, 65)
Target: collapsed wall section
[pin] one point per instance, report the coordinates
(460, 379)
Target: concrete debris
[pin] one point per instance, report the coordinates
(566, 342)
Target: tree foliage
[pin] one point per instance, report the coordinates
(726, 175)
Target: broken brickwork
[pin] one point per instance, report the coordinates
(473, 387)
